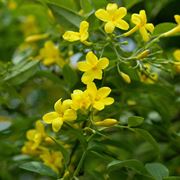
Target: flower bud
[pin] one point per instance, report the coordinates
(143, 54)
(107, 122)
(125, 77)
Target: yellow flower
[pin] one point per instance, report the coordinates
(82, 35)
(29, 26)
(50, 55)
(174, 30)
(99, 96)
(112, 16)
(140, 20)
(12, 5)
(107, 122)
(63, 112)
(176, 55)
(52, 159)
(80, 100)
(36, 37)
(92, 67)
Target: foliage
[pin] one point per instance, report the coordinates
(89, 90)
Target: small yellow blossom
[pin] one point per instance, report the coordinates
(12, 5)
(112, 16)
(107, 122)
(36, 37)
(174, 30)
(140, 20)
(99, 96)
(176, 55)
(52, 159)
(63, 112)
(92, 67)
(80, 100)
(36, 135)
(29, 26)
(82, 35)
(50, 55)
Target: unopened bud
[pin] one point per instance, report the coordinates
(36, 37)
(143, 54)
(107, 122)
(125, 77)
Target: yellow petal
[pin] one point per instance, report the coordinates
(84, 30)
(66, 104)
(97, 74)
(91, 58)
(83, 66)
(103, 63)
(121, 24)
(71, 36)
(91, 89)
(98, 105)
(69, 115)
(111, 7)
(121, 12)
(108, 101)
(135, 18)
(102, 15)
(56, 124)
(30, 134)
(58, 106)
(39, 126)
(144, 34)
(109, 27)
(87, 77)
(176, 54)
(103, 92)
(49, 61)
(49, 117)
(142, 14)
(149, 27)
(177, 18)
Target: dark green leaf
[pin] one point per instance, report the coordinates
(130, 3)
(86, 6)
(157, 170)
(148, 137)
(162, 28)
(131, 163)
(135, 121)
(39, 168)
(70, 75)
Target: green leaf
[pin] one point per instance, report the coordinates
(148, 137)
(65, 17)
(162, 28)
(172, 178)
(70, 75)
(39, 168)
(131, 163)
(157, 170)
(135, 121)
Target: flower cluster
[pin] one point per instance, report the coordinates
(38, 145)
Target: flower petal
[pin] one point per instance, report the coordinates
(109, 27)
(177, 18)
(87, 77)
(103, 63)
(83, 66)
(108, 101)
(142, 14)
(91, 58)
(66, 104)
(97, 74)
(49, 117)
(92, 90)
(121, 12)
(71, 36)
(103, 92)
(69, 115)
(111, 7)
(135, 18)
(144, 34)
(121, 24)
(98, 105)
(30, 134)
(149, 27)
(102, 15)
(56, 124)
(84, 31)
(58, 106)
